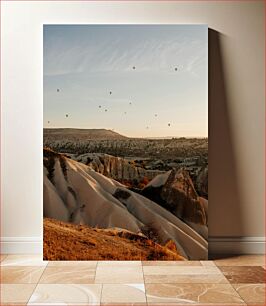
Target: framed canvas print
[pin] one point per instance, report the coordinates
(125, 142)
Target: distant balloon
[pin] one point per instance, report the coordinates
(125, 113)
(105, 110)
(67, 115)
(155, 115)
(48, 122)
(130, 103)
(147, 127)
(134, 67)
(57, 90)
(169, 124)
(175, 68)
(110, 92)
(100, 106)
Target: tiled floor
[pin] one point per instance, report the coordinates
(27, 280)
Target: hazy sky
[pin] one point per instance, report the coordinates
(86, 62)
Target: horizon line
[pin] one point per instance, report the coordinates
(143, 137)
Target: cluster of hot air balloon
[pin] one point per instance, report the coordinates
(110, 93)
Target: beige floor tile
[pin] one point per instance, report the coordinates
(180, 270)
(192, 293)
(172, 263)
(251, 293)
(72, 263)
(16, 293)
(2, 256)
(24, 260)
(123, 293)
(242, 260)
(119, 274)
(65, 294)
(194, 304)
(21, 275)
(68, 275)
(111, 263)
(186, 279)
(208, 263)
(127, 304)
(183, 275)
(14, 304)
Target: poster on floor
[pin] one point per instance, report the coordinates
(125, 142)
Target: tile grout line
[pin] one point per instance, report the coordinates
(253, 303)
(36, 284)
(249, 303)
(144, 283)
(242, 303)
(100, 299)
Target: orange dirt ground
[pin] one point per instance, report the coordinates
(66, 241)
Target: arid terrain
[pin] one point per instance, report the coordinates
(132, 161)
(65, 241)
(166, 208)
(80, 141)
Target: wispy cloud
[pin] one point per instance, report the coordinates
(113, 56)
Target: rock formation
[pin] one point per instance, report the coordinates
(175, 191)
(202, 182)
(116, 168)
(75, 193)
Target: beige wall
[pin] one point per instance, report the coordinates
(236, 104)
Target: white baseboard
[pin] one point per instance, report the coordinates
(21, 245)
(217, 245)
(237, 245)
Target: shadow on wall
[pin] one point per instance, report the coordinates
(225, 215)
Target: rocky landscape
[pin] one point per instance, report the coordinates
(167, 210)
(81, 141)
(133, 161)
(117, 168)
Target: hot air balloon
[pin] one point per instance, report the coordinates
(110, 92)
(57, 90)
(169, 124)
(66, 115)
(105, 110)
(100, 106)
(48, 122)
(134, 67)
(175, 68)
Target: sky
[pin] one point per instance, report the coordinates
(138, 80)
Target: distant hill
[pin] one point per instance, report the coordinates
(71, 134)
